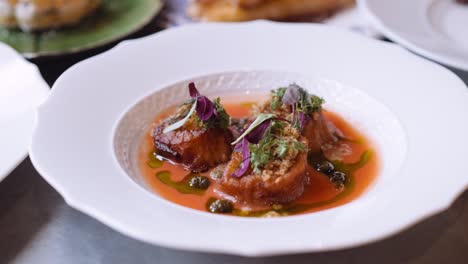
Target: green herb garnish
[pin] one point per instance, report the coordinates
(276, 98)
(208, 114)
(301, 102)
(219, 121)
(272, 146)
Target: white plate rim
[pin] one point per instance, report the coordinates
(76, 203)
(40, 89)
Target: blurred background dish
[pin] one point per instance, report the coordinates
(340, 13)
(46, 28)
(436, 29)
(22, 89)
(32, 15)
(243, 10)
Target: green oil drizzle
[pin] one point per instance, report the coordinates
(353, 167)
(349, 169)
(248, 104)
(182, 186)
(154, 162)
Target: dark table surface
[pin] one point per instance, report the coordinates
(37, 226)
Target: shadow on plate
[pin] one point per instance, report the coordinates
(460, 73)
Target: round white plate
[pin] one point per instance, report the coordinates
(22, 89)
(84, 142)
(436, 29)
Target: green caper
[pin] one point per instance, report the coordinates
(199, 182)
(338, 176)
(221, 206)
(325, 167)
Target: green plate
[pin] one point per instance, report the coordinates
(115, 19)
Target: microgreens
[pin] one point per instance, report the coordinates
(219, 119)
(208, 113)
(301, 102)
(302, 119)
(260, 145)
(292, 94)
(181, 122)
(277, 96)
(243, 147)
(271, 148)
(205, 107)
(261, 118)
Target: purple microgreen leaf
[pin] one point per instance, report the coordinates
(257, 133)
(181, 122)
(238, 146)
(205, 108)
(215, 112)
(193, 90)
(260, 118)
(302, 119)
(243, 146)
(293, 109)
(292, 94)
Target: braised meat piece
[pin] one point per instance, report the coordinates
(305, 112)
(196, 135)
(276, 156)
(320, 131)
(265, 188)
(197, 149)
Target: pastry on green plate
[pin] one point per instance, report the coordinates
(31, 15)
(38, 28)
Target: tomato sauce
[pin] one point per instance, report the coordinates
(319, 193)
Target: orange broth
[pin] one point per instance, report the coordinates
(320, 191)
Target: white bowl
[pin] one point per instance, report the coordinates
(22, 89)
(85, 139)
